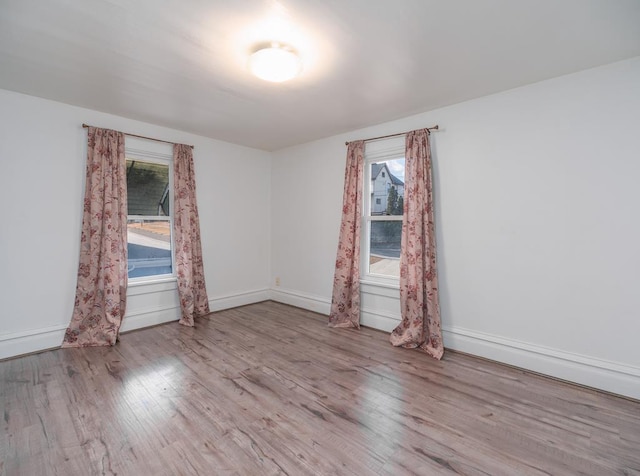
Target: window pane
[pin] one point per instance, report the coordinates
(384, 248)
(149, 247)
(147, 188)
(387, 187)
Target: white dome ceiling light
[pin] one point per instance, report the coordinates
(275, 62)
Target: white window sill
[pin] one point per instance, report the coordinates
(153, 285)
(389, 284)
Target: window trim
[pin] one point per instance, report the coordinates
(163, 159)
(389, 151)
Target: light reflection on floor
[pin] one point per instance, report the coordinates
(149, 392)
(381, 401)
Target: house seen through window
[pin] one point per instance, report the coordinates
(149, 218)
(384, 203)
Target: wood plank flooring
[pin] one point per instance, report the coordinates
(269, 389)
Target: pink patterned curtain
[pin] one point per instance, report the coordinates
(101, 290)
(345, 301)
(186, 228)
(420, 326)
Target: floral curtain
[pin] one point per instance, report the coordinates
(101, 289)
(345, 301)
(186, 228)
(420, 326)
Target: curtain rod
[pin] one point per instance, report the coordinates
(434, 128)
(140, 137)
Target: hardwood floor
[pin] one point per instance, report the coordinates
(269, 389)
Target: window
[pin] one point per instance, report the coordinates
(149, 221)
(382, 215)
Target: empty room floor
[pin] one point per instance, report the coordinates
(269, 389)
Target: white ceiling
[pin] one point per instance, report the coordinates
(182, 63)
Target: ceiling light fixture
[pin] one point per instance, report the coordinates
(275, 62)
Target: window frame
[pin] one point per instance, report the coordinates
(161, 158)
(382, 151)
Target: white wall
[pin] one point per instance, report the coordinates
(42, 167)
(537, 198)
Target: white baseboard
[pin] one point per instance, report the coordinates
(369, 317)
(240, 299)
(152, 317)
(614, 377)
(305, 301)
(34, 340)
(622, 379)
(37, 340)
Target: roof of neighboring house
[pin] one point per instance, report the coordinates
(146, 184)
(395, 180)
(376, 168)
